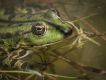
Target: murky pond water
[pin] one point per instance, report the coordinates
(89, 14)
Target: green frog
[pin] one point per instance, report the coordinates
(21, 34)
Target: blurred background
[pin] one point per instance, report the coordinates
(93, 15)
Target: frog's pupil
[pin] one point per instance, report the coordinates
(38, 28)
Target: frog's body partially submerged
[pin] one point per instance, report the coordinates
(33, 30)
(24, 32)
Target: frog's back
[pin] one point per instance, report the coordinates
(9, 34)
(13, 27)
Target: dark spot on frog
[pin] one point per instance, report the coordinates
(29, 17)
(20, 24)
(24, 65)
(23, 52)
(11, 49)
(8, 35)
(19, 32)
(11, 16)
(13, 62)
(1, 42)
(22, 15)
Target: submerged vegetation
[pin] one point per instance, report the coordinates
(52, 60)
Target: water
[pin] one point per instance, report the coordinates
(90, 54)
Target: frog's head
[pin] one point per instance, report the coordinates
(50, 29)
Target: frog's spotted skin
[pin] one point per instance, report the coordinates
(22, 29)
(30, 31)
(13, 62)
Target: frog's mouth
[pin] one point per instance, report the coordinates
(47, 44)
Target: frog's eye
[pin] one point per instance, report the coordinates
(57, 12)
(38, 29)
(52, 14)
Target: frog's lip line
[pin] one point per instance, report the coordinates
(46, 44)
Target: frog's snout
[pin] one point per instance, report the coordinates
(68, 32)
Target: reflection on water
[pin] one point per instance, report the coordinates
(90, 54)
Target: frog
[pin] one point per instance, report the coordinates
(21, 34)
